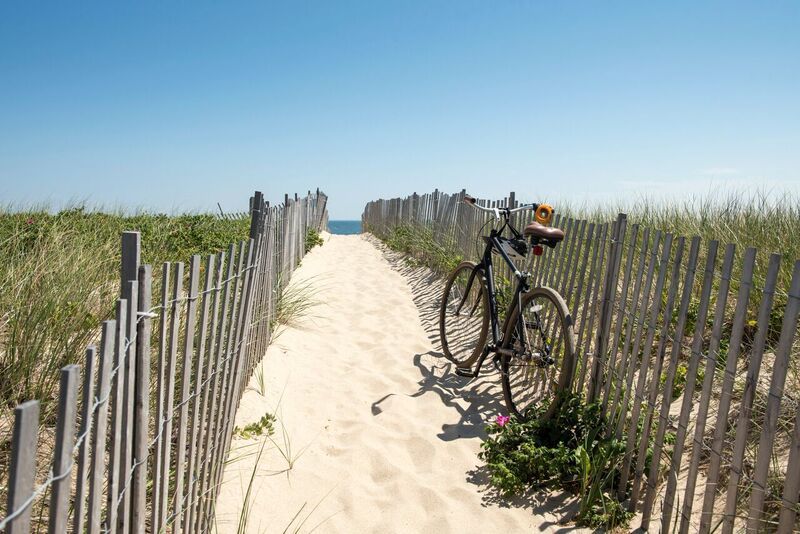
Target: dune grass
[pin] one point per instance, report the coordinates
(423, 247)
(59, 280)
(768, 222)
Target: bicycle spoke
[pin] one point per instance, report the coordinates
(463, 316)
(533, 372)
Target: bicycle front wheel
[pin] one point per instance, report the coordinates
(463, 316)
(541, 334)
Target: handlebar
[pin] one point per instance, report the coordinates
(543, 215)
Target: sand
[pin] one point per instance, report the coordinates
(375, 432)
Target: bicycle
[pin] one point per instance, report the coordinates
(536, 340)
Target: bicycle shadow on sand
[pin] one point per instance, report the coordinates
(476, 401)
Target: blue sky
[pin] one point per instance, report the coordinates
(180, 105)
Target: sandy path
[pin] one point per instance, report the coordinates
(383, 436)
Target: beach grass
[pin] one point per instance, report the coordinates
(760, 219)
(59, 279)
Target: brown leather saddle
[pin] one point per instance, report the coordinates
(548, 236)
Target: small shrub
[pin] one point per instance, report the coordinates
(568, 451)
(313, 239)
(263, 426)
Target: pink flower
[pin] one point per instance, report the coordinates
(29, 221)
(502, 420)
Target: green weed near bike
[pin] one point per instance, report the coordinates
(567, 451)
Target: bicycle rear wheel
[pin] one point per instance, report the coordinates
(463, 315)
(536, 377)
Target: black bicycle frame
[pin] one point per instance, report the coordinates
(494, 243)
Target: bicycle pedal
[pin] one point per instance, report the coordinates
(464, 371)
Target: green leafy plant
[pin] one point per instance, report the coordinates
(568, 451)
(263, 426)
(313, 239)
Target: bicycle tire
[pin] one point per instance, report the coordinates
(459, 347)
(517, 373)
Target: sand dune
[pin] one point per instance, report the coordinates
(375, 432)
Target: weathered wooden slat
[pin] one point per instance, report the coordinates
(155, 508)
(666, 400)
(141, 408)
(22, 471)
(616, 373)
(749, 393)
(585, 330)
(607, 305)
(100, 423)
(595, 298)
(87, 413)
(644, 365)
(123, 506)
(705, 397)
(238, 363)
(721, 427)
(207, 414)
(130, 260)
(169, 395)
(582, 266)
(616, 413)
(656, 375)
(688, 392)
(62, 457)
(215, 413)
(243, 364)
(791, 488)
(186, 382)
(559, 270)
(200, 392)
(228, 375)
(640, 323)
(573, 239)
(574, 264)
(116, 404)
(776, 393)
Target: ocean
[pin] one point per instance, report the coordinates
(344, 227)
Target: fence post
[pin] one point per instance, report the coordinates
(322, 212)
(131, 254)
(607, 305)
(255, 214)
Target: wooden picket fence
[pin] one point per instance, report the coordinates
(140, 443)
(696, 386)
